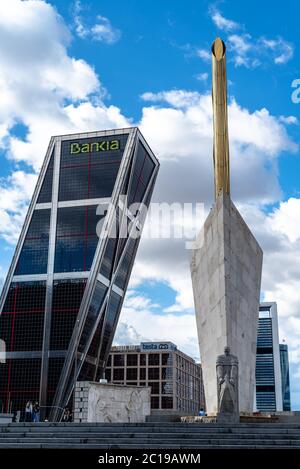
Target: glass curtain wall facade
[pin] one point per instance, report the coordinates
(268, 374)
(285, 377)
(64, 291)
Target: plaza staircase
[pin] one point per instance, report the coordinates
(149, 435)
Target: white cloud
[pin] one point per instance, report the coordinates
(186, 128)
(245, 50)
(251, 52)
(37, 77)
(240, 47)
(204, 55)
(102, 30)
(176, 98)
(281, 50)
(223, 23)
(179, 329)
(15, 194)
(126, 334)
(30, 75)
(202, 76)
(289, 120)
(44, 89)
(286, 218)
(181, 135)
(80, 29)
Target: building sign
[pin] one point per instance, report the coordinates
(101, 145)
(125, 348)
(158, 346)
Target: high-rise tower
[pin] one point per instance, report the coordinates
(68, 277)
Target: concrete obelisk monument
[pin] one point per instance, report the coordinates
(226, 268)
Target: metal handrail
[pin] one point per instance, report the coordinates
(53, 407)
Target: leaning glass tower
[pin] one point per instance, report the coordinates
(64, 291)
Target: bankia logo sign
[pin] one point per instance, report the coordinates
(97, 146)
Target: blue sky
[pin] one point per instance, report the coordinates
(71, 66)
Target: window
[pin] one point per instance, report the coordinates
(45, 194)
(110, 322)
(93, 311)
(143, 359)
(131, 373)
(142, 373)
(167, 402)
(166, 359)
(25, 375)
(167, 387)
(167, 373)
(132, 359)
(153, 373)
(76, 238)
(106, 267)
(67, 296)
(126, 263)
(34, 254)
(118, 374)
(153, 359)
(142, 172)
(154, 402)
(154, 388)
(118, 360)
(22, 318)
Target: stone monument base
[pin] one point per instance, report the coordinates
(243, 418)
(96, 402)
(228, 417)
(6, 418)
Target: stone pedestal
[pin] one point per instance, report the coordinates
(226, 277)
(6, 418)
(95, 402)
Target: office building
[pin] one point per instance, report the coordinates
(285, 377)
(174, 377)
(268, 372)
(66, 284)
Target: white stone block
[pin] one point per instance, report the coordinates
(115, 403)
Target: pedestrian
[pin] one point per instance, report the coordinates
(201, 412)
(28, 412)
(36, 412)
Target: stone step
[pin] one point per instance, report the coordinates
(119, 433)
(36, 430)
(146, 435)
(152, 425)
(132, 445)
(166, 441)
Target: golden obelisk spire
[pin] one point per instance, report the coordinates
(220, 120)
